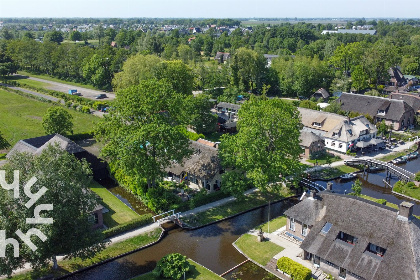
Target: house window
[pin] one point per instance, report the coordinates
(347, 237)
(326, 228)
(304, 230)
(332, 144)
(317, 124)
(350, 131)
(292, 224)
(335, 134)
(381, 112)
(375, 249)
(340, 145)
(342, 273)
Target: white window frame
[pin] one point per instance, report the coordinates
(292, 225)
(304, 229)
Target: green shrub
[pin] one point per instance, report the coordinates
(381, 201)
(202, 197)
(417, 178)
(85, 109)
(172, 266)
(294, 269)
(159, 199)
(138, 222)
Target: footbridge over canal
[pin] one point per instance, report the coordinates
(390, 168)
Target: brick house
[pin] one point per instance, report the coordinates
(353, 238)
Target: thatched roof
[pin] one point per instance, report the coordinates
(369, 223)
(365, 104)
(411, 99)
(204, 163)
(307, 138)
(323, 92)
(327, 120)
(38, 144)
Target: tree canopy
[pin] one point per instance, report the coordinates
(172, 266)
(57, 120)
(141, 135)
(266, 148)
(65, 179)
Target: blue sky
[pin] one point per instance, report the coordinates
(207, 9)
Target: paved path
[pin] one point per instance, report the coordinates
(87, 93)
(54, 99)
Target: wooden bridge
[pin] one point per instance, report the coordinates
(390, 168)
(306, 183)
(166, 217)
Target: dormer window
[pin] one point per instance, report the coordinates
(350, 131)
(347, 237)
(317, 124)
(381, 112)
(375, 249)
(335, 134)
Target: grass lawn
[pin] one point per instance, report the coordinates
(115, 249)
(119, 213)
(197, 272)
(393, 156)
(27, 81)
(2, 156)
(389, 204)
(331, 172)
(261, 252)
(346, 169)
(407, 190)
(323, 159)
(49, 78)
(231, 208)
(275, 224)
(21, 117)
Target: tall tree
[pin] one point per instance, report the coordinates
(57, 120)
(359, 78)
(266, 148)
(65, 179)
(54, 36)
(4, 144)
(141, 135)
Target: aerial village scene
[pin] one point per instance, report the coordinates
(248, 140)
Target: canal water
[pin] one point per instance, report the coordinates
(373, 185)
(210, 246)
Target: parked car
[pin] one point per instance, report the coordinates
(101, 96)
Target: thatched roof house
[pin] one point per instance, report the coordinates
(411, 99)
(395, 112)
(321, 93)
(38, 144)
(357, 239)
(201, 170)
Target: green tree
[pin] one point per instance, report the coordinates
(248, 69)
(4, 144)
(201, 118)
(308, 104)
(75, 36)
(417, 178)
(54, 36)
(135, 69)
(266, 148)
(383, 128)
(178, 74)
(357, 187)
(172, 266)
(359, 78)
(98, 72)
(185, 53)
(71, 234)
(141, 136)
(57, 120)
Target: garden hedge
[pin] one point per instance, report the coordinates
(294, 269)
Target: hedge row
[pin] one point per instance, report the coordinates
(294, 269)
(138, 222)
(24, 94)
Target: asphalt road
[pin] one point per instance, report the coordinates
(87, 93)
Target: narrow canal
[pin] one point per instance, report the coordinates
(212, 247)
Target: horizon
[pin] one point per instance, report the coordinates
(246, 9)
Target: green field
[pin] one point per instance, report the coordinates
(196, 272)
(274, 224)
(46, 77)
(119, 213)
(261, 252)
(21, 117)
(26, 81)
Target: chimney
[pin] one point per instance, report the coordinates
(312, 194)
(405, 211)
(329, 186)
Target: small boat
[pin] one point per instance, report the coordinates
(413, 155)
(399, 160)
(348, 176)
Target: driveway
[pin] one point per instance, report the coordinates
(87, 93)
